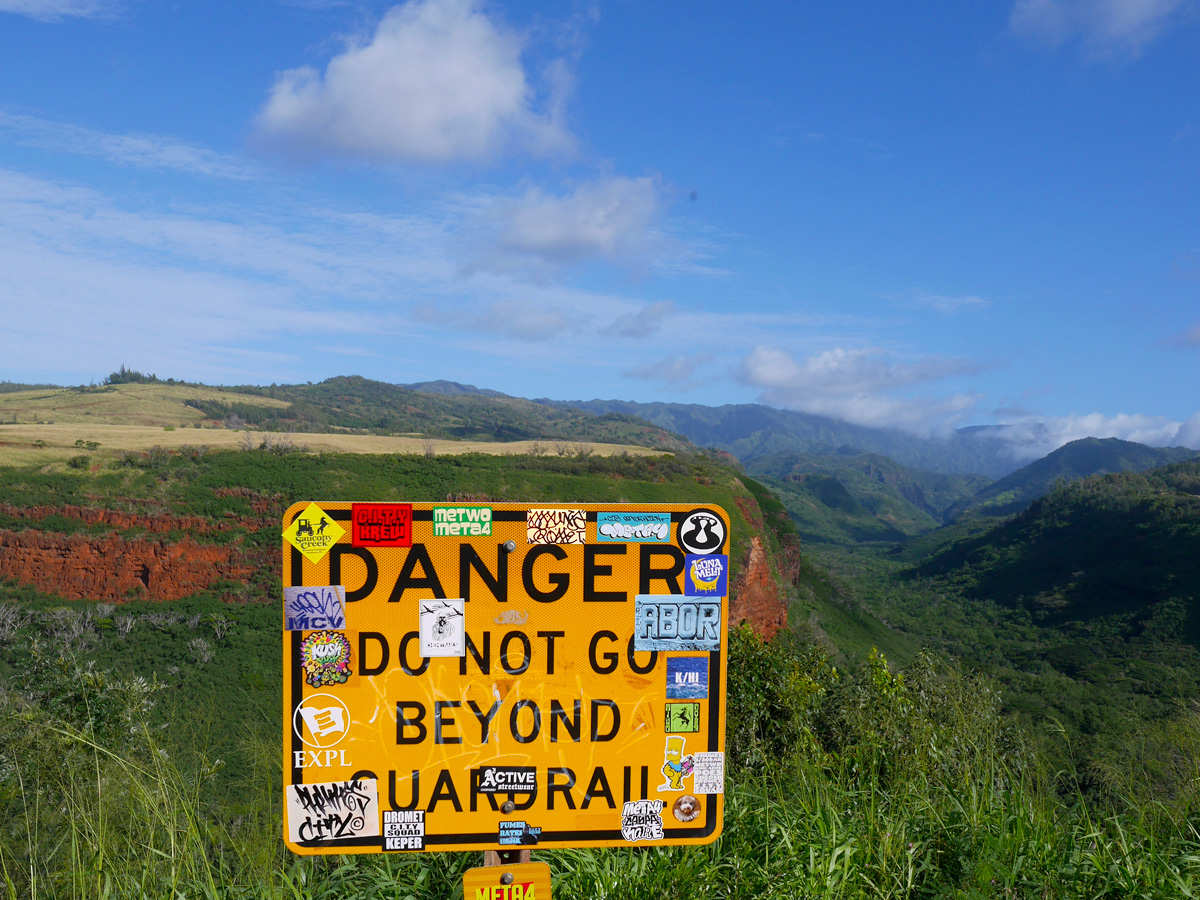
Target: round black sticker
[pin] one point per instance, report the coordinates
(702, 531)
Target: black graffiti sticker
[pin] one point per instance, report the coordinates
(404, 829)
(702, 531)
(333, 811)
(641, 820)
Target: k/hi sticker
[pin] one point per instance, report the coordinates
(313, 532)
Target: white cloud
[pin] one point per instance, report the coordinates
(1122, 24)
(860, 386)
(50, 10)
(609, 218)
(439, 81)
(943, 303)
(1034, 437)
(140, 150)
(678, 371)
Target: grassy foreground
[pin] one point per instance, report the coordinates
(862, 784)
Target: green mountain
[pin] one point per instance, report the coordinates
(849, 498)
(1078, 459)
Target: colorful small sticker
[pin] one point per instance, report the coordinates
(313, 532)
(673, 622)
(381, 524)
(705, 576)
(334, 811)
(556, 526)
(687, 677)
(325, 658)
(686, 808)
(443, 628)
(404, 829)
(682, 718)
(314, 608)
(518, 833)
(462, 521)
(634, 527)
(321, 720)
(641, 820)
(709, 773)
(677, 765)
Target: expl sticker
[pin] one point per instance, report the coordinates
(443, 628)
(705, 576)
(337, 810)
(641, 820)
(313, 532)
(682, 718)
(321, 720)
(556, 526)
(325, 658)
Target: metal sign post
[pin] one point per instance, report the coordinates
(502, 676)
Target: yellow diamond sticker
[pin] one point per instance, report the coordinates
(313, 532)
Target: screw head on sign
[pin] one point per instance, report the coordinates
(508, 546)
(508, 807)
(506, 878)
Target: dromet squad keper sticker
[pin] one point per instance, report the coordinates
(503, 674)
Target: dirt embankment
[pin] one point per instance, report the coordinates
(117, 568)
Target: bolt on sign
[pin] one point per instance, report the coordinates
(503, 676)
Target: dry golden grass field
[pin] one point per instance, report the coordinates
(48, 427)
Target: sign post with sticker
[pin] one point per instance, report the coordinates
(503, 676)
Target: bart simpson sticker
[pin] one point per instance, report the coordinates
(313, 533)
(676, 766)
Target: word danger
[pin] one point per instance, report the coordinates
(674, 623)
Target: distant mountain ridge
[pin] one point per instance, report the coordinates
(751, 430)
(1078, 459)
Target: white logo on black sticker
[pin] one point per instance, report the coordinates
(702, 531)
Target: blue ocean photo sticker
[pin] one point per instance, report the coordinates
(705, 576)
(687, 677)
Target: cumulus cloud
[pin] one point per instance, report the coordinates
(1122, 24)
(438, 81)
(140, 150)
(609, 218)
(50, 10)
(864, 387)
(1034, 437)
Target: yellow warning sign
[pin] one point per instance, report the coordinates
(534, 677)
(313, 532)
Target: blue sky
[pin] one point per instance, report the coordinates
(984, 213)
